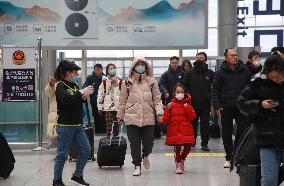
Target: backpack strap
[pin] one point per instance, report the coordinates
(127, 86)
(104, 83)
(120, 83)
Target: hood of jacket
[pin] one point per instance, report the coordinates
(240, 66)
(135, 61)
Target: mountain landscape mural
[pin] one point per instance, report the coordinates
(163, 10)
(12, 13)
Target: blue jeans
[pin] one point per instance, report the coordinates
(271, 159)
(64, 139)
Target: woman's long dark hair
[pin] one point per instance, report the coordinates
(184, 62)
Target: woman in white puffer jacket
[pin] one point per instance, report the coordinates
(52, 115)
(108, 98)
(137, 108)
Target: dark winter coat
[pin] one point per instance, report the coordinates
(96, 82)
(198, 83)
(69, 103)
(253, 70)
(179, 118)
(170, 79)
(227, 85)
(269, 122)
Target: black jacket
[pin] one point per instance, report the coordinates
(198, 83)
(69, 103)
(227, 85)
(269, 122)
(253, 70)
(96, 81)
(170, 79)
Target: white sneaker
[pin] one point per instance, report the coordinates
(137, 171)
(227, 164)
(146, 162)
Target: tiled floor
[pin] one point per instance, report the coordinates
(36, 169)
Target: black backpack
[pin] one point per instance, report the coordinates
(246, 152)
(7, 159)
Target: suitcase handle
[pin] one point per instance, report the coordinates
(111, 136)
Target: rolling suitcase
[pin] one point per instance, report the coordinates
(74, 150)
(7, 159)
(112, 150)
(250, 175)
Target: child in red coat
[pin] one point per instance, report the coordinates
(178, 116)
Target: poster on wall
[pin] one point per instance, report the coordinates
(19, 64)
(105, 23)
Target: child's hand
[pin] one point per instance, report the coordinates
(185, 105)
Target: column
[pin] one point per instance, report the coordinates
(227, 25)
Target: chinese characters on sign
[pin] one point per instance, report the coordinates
(18, 85)
(19, 66)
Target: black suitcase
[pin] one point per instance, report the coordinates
(250, 175)
(7, 159)
(111, 151)
(74, 150)
(215, 131)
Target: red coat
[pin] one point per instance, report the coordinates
(179, 117)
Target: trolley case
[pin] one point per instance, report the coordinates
(7, 158)
(112, 150)
(74, 150)
(250, 175)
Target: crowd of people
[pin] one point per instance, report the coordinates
(182, 100)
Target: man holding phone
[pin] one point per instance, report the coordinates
(95, 80)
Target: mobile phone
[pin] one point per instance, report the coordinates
(274, 102)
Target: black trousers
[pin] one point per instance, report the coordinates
(204, 115)
(137, 135)
(99, 120)
(228, 115)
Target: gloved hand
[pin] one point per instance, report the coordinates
(87, 91)
(167, 95)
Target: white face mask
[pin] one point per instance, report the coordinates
(180, 96)
(257, 63)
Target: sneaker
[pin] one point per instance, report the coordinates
(178, 168)
(146, 162)
(227, 164)
(205, 148)
(79, 180)
(182, 165)
(58, 183)
(137, 171)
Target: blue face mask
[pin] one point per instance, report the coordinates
(75, 79)
(112, 72)
(140, 69)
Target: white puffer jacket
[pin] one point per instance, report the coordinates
(136, 108)
(52, 115)
(108, 96)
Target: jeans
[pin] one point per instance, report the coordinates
(228, 115)
(137, 135)
(271, 159)
(64, 139)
